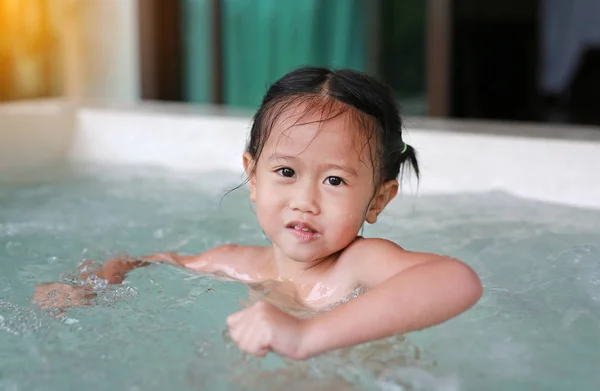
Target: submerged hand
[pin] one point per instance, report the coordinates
(264, 327)
(114, 270)
(54, 295)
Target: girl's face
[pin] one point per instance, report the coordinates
(313, 186)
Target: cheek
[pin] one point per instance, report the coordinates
(349, 214)
(347, 227)
(268, 200)
(350, 224)
(266, 214)
(267, 193)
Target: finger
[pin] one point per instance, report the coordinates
(252, 333)
(258, 351)
(239, 329)
(234, 318)
(250, 337)
(255, 341)
(250, 345)
(260, 343)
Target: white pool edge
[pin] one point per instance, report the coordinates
(544, 169)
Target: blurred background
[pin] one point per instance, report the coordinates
(525, 60)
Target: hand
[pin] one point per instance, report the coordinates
(264, 327)
(114, 270)
(53, 295)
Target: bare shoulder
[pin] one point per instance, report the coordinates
(372, 252)
(371, 261)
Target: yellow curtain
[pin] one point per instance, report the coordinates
(29, 49)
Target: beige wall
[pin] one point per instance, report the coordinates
(35, 133)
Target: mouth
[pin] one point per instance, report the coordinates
(302, 227)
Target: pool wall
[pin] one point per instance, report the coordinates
(547, 163)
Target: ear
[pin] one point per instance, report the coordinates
(384, 195)
(249, 167)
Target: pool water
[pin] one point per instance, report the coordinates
(536, 327)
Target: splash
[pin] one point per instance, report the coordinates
(18, 320)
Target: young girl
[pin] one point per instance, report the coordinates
(324, 156)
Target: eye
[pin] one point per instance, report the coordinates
(286, 172)
(334, 180)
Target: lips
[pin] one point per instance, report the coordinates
(303, 232)
(301, 226)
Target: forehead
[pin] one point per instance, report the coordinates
(339, 135)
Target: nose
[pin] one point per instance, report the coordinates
(305, 198)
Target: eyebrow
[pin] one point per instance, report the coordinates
(348, 170)
(278, 156)
(328, 166)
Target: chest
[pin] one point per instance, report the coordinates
(312, 296)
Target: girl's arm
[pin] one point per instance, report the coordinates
(410, 291)
(115, 270)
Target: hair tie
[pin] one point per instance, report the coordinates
(404, 148)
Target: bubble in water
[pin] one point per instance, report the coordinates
(70, 321)
(18, 320)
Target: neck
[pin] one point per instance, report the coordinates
(289, 269)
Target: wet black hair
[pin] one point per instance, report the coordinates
(331, 93)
